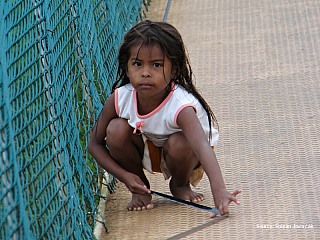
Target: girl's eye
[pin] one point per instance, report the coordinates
(157, 65)
(137, 64)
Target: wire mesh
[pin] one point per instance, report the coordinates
(57, 65)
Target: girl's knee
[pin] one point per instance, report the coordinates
(177, 146)
(179, 156)
(118, 131)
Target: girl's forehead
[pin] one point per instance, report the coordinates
(144, 50)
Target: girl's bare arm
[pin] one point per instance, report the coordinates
(192, 129)
(97, 148)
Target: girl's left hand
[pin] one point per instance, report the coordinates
(222, 199)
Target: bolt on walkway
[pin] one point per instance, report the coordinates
(257, 64)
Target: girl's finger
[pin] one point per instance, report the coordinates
(143, 189)
(213, 215)
(225, 209)
(148, 190)
(233, 199)
(236, 192)
(221, 210)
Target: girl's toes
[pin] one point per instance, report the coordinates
(150, 206)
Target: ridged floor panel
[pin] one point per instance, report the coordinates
(257, 64)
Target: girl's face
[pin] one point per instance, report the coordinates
(149, 71)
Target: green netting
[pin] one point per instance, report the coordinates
(57, 63)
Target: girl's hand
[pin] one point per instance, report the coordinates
(135, 184)
(222, 199)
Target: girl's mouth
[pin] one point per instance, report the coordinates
(145, 85)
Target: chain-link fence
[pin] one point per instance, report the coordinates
(57, 65)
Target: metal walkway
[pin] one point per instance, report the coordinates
(257, 63)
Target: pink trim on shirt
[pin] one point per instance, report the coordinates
(157, 109)
(116, 103)
(180, 109)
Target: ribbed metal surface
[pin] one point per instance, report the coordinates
(257, 63)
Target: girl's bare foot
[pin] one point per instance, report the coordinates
(140, 202)
(185, 193)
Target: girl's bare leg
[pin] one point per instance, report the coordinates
(181, 161)
(127, 149)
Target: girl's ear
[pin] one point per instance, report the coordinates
(173, 73)
(127, 73)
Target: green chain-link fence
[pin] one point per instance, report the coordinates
(57, 63)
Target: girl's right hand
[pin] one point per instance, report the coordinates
(135, 184)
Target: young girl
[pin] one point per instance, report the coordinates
(156, 120)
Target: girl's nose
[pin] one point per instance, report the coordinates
(146, 72)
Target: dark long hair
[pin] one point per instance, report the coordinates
(170, 41)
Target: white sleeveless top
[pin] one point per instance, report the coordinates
(159, 124)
